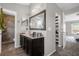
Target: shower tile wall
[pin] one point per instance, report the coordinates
(8, 33)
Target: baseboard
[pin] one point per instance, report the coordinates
(51, 53)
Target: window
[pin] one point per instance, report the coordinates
(75, 28)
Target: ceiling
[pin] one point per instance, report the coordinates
(27, 4)
(63, 6)
(67, 6)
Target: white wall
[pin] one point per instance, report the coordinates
(37, 7)
(49, 33)
(68, 28)
(52, 9)
(21, 11)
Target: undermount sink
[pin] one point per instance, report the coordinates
(22, 33)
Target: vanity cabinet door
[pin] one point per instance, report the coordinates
(38, 47)
(26, 44)
(22, 41)
(29, 46)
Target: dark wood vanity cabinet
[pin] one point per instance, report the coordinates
(22, 41)
(33, 47)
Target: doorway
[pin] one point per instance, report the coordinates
(8, 34)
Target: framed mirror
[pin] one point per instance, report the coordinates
(25, 22)
(38, 21)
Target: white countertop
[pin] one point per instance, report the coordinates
(29, 36)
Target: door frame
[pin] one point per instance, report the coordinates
(15, 35)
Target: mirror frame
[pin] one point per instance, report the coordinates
(44, 21)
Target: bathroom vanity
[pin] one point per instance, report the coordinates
(33, 43)
(33, 46)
